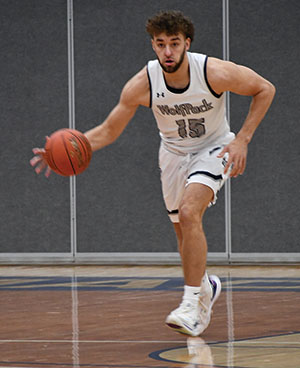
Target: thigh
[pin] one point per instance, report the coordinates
(208, 169)
(196, 199)
(173, 179)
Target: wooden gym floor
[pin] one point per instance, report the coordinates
(113, 317)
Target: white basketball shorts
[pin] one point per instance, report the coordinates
(178, 171)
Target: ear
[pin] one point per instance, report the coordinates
(187, 43)
(152, 43)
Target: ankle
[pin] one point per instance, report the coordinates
(191, 294)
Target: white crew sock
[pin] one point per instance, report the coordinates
(191, 294)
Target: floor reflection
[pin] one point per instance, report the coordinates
(196, 353)
(199, 353)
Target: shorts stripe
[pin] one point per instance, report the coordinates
(175, 212)
(215, 177)
(214, 149)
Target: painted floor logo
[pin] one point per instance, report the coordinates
(270, 352)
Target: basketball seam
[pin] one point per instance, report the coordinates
(52, 159)
(87, 146)
(66, 148)
(84, 142)
(82, 145)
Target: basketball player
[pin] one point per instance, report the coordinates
(198, 152)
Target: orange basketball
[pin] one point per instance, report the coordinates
(68, 152)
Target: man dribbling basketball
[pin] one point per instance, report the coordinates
(198, 152)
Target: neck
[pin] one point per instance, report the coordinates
(180, 78)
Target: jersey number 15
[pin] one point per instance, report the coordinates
(196, 127)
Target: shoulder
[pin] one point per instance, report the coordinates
(220, 72)
(219, 69)
(137, 90)
(228, 76)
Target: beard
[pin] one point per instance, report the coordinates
(175, 67)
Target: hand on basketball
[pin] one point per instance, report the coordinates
(67, 152)
(39, 161)
(237, 157)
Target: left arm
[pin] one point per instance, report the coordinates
(227, 76)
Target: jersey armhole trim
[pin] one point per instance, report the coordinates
(150, 86)
(206, 80)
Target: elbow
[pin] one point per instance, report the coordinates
(267, 91)
(270, 90)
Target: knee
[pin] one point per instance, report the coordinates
(189, 216)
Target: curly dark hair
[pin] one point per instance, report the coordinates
(171, 22)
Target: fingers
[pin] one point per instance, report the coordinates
(238, 166)
(40, 167)
(228, 161)
(222, 153)
(47, 172)
(229, 165)
(38, 151)
(39, 156)
(235, 155)
(39, 161)
(35, 160)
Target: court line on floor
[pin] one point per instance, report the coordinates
(263, 284)
(249, 341)
(85, 365)
(44, 365)
(93, 341)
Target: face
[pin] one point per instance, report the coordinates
(170, 50)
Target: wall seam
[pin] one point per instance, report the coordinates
(228, 235)
(71, 89)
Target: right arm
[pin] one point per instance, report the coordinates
(136, 92)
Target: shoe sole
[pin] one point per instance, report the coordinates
(181, 329)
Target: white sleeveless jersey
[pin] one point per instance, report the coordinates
(191, 120)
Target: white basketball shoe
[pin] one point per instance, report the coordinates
(193, 318)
